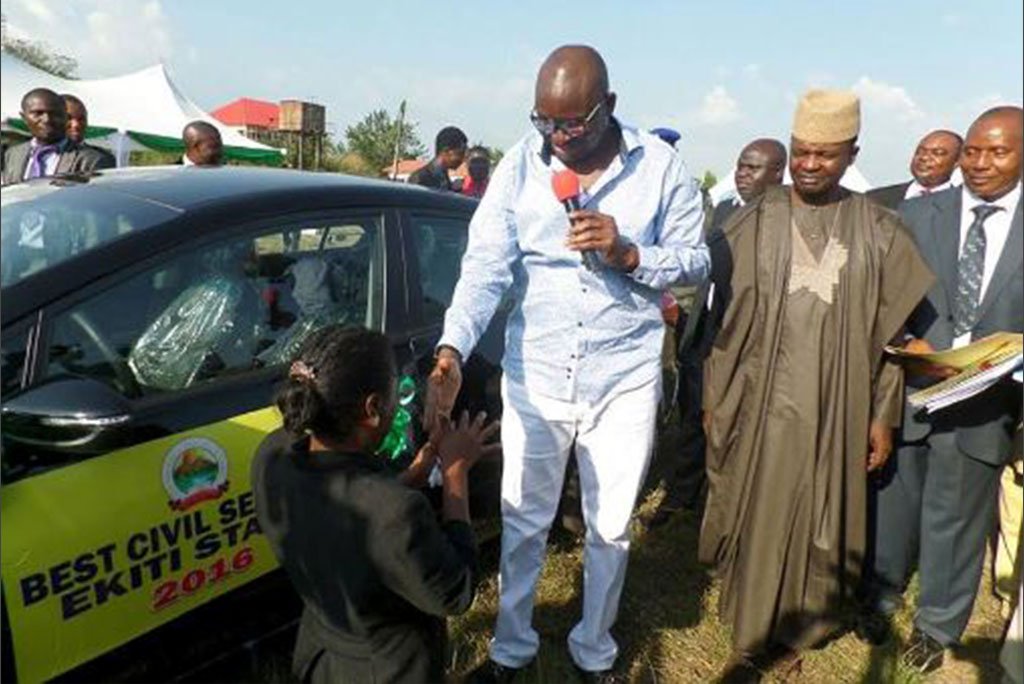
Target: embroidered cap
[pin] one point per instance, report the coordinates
(827, 116)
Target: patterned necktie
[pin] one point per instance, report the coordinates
(36, 167)
(970, 271)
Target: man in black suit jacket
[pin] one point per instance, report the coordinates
(761, 163)
(449, 151)
(931, 166)
(78, 126)
(50, 152)
(936, 504)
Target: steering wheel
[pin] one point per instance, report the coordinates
(124, 375)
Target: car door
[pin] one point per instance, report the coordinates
(125, 499)
(435, 242)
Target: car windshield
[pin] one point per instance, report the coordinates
(44, 224)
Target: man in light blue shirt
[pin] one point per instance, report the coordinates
(583, 341)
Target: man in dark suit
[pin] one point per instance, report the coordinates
(78, 126)
(936, 503)
(449, 151)
(203, 144)
(761, 163)
(50, 152)
(931, 166)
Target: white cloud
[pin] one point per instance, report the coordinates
(718, 107)
(106, 38)
(38, 9)
(976, 106)
(752, 71)
(887, 98)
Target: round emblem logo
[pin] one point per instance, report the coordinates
(195, 470)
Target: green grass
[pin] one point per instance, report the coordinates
(668, 629)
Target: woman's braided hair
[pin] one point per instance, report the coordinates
(330, 378)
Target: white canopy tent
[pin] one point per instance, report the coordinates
(140, 110)
(724, 189)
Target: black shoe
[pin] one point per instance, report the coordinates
(924, 654)
(608, 676)
(874, 628)
(491, 672)
(661, 517)
(740, 669)
(573, 524)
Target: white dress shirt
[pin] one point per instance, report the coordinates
(997, 229)
(577, 334)
(915, 189)
(48, 161)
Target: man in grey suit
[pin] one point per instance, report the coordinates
(932, 166)
(936, 504)
(50, 152)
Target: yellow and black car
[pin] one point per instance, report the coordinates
(147, 316)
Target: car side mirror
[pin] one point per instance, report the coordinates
(70, 414)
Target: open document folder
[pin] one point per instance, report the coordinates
(981, 365)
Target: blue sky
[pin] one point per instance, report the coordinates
(722, 72)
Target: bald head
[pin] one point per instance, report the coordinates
(572, 103)
(572, 71)
(203, 145)
(761, 163)
(935, 158)
(993, 151)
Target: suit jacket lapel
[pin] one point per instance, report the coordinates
(66, 160)
(946, 231)
(1008, 264)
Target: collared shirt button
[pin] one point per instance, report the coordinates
(579, 324)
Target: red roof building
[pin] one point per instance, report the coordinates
(248, 113)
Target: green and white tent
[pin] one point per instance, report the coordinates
(143, 110)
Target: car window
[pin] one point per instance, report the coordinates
(42, 225)
(221, 310)
(13, 350)
(440, 242)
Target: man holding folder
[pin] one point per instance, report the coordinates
(937, 500)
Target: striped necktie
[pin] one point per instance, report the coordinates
(970, 272)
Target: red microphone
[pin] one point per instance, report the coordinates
(566, 185)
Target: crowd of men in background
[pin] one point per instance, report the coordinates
(58, 126)
(780, 386)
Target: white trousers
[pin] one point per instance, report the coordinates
(614, 439)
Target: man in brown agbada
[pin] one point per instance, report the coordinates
(799, 402)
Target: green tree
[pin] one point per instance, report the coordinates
(709, 181)
(494, 153)
(38, 54)
(333, 153)
(373, 139)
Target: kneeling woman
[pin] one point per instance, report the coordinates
(375, 570)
